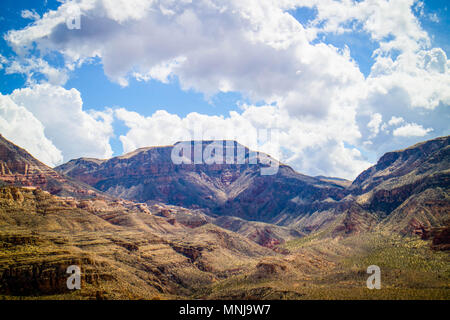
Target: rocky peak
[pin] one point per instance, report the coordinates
(422, 158)
(18, 167)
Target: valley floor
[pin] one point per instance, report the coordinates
(313, 269)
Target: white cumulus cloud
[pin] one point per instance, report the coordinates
(326, 109)
(411, 130)
(309, 145)
(71, 129)
(19, 126)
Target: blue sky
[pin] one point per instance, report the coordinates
(341, 82)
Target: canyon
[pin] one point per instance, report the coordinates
(142, 227)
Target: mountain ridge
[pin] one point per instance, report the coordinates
(286, 198)
(149, 174)
(20, 168)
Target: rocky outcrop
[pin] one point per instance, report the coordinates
(441, 239)
(423, 159)
(440, 236)
(265, 234)
(19, 168)
(408, 189)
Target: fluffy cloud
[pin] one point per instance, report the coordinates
(18, 125)
(324, 107)
(392, 23)
(32, 67)
(30, 14)
(256, 131)
(254, 47)
(411, 130)
(60, 115)
(396, 121)
(375, 123)
(404, 58)
(310, 146)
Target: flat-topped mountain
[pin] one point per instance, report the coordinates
(230, 187)
(19, 168)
